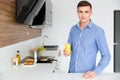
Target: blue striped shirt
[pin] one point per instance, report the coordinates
(85, 45)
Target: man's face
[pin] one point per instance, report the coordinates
(84, 13)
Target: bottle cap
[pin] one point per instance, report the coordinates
(18, 51)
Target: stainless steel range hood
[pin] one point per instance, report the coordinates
(36, 13)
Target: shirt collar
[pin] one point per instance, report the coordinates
(89, 25)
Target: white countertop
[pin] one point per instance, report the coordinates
(35, 72)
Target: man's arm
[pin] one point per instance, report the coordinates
(105, 56)
(70, 42)
(104, 51)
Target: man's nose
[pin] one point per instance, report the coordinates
(83, 14)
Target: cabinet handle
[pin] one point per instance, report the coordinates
(115, 44)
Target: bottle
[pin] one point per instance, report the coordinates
(18, 57)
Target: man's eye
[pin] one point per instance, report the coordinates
(80, 12)
(86, 11)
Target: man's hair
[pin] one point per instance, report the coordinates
(84, 3)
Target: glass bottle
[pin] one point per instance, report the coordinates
(18, 57)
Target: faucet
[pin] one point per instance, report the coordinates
(44, 39)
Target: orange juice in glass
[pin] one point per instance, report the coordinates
(68, 48)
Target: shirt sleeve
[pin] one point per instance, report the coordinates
(104, 51)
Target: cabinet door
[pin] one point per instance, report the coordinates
(117, 41)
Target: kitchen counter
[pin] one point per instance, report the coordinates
(35, 72)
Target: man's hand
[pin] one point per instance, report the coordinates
(89, 74)
(65, 53)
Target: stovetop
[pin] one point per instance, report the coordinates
(41, 59)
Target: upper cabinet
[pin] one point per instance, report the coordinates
(35, 13)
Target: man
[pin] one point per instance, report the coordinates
(86, 39)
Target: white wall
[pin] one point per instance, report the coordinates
(8, 52)
(64, 16)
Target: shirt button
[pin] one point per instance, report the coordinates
(80, 35)
(76, 63)
(79, 42)
(77, 56)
